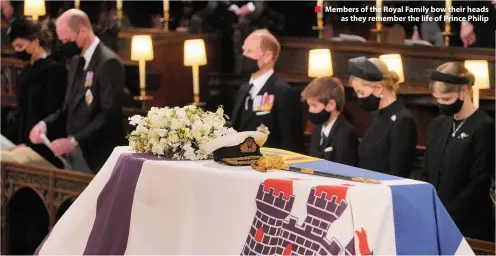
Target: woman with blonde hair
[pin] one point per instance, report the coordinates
(388, 145)
(459, 160)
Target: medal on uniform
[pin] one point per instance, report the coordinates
(89, 79)
(263, 103)
(88, 97)
(263, 129)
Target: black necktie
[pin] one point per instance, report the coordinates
(249, 99)
(81, 63)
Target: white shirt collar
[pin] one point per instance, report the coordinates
(259, 82)
(326, 129)
(89, 52)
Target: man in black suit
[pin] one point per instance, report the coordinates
(333, 138)
(91, 113)
(266, 103)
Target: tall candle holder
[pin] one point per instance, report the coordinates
(447, 33)
(119, 13)
(320, 19)
(378, 23)
(378, 31)
(166, 20)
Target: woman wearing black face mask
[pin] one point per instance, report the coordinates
(40, 88)
(388, 145)
(459, 160)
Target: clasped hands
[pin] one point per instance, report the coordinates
(59, 147)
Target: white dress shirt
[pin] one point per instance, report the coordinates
(326, 130)
(89, 52)
(259, 82)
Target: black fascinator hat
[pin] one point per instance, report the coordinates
(23, 28)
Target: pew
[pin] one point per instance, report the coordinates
(55, 189)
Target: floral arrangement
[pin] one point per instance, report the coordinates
(178, 133)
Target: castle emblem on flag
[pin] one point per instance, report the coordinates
(273, 233)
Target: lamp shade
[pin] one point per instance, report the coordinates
(34, 8)
(141, 48)
(194, 53)
(480, 69)
(319, 63)
(394, 63)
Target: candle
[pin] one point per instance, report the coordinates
(166, 5)
(379, 9)
(448, 11)
(119, 4)
(76, 4)
(378, 15)
(320, 3)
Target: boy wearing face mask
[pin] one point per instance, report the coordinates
(459, 159)
(333, 138)
(388, 145)
(265, 103)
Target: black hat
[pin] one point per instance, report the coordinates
(363, 68)
(449, 78)
(237, 149)
(23, 28)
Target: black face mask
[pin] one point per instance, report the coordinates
(451, 109)
(319, 118)
(370, 103)
(70, 49)
(250, 65)
(24, 55)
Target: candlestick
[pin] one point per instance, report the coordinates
(378, 15)
(320, 15)
(196, 84)
(320, 19)
(378, 22)
(448, 11)
(119, 13)
(166, 15)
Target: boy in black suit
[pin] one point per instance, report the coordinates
(333, 138)
(267, 104)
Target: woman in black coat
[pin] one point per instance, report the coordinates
(41, 85)
(459, 160)
(388, 145)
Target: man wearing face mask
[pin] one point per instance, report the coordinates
(388, 145)
(265, 103)
(333, 138)
(91, 114)
(459, 159)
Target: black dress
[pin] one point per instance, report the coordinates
(388, 145)
(40, 92)
(461, 169)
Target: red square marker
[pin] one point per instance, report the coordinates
(318, 9)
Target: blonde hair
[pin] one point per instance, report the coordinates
(455, 69)
(390, 78)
